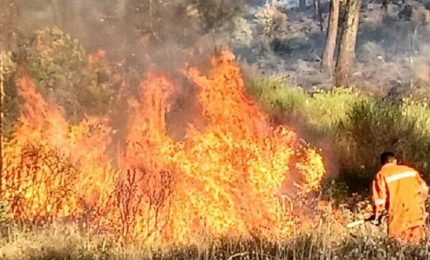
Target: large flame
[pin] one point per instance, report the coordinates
(51, 168)
(219, 181)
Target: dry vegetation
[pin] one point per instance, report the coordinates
(344, 118)
(329, 239)
(386, 110)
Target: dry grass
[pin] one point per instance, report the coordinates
(324, 237)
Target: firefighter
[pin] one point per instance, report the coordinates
(399, 192)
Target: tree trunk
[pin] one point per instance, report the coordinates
(302, 4)
(318, 13)
(1, 119)
(330, 44)
(348, 39)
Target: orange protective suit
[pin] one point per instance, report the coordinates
(402, 192)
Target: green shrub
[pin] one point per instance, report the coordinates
(373, 127)
(357, 127)
(319, 113)
(10, 107)
(417, 111)
(418, 149)
(60, 67)
(54, 60)
(334, 189)
(327, 108)
(274, 95)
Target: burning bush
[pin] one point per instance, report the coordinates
(222, 179)
(142, 198)
(28, 183)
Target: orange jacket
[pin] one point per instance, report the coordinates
(402, 192)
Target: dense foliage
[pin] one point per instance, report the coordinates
(355, 127)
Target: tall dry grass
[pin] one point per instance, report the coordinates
(324, 238)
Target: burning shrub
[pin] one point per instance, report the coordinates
(53, 170)
(356, 126)
(222, 179)
(142, 197)
(37, 185)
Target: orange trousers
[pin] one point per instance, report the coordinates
(412, 236)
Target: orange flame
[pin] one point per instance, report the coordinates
(219, 181)
(53, 169)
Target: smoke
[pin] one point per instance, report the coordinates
(165, 35)
(157, 32)
(140, 36)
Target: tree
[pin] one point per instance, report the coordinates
(347, 44)
(8, 19)
(1, 117)
(302, 4)
(330, 45)
(318, 13)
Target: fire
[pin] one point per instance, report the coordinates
(222, 180)
(53, 169)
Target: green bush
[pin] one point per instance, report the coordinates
(10, 107)
(417, 111)
(326, 109)
(357, 127)
(418, 149)
(60, 67)
(373, 127)
(369, 129)
(54, 61)
(274, 94)
(322, 110)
